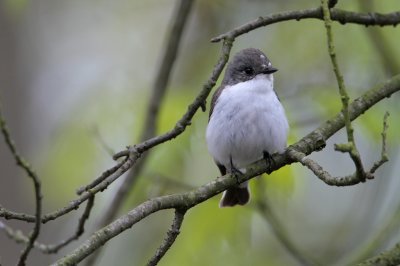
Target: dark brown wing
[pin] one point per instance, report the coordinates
(214, 99)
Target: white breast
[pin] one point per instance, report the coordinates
(247, 120)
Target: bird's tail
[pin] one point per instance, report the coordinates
(239, 195)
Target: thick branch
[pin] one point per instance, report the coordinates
(387, 258)
(312, 142)
(342, 16)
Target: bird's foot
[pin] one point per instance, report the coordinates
(269, 160)
(235, 172)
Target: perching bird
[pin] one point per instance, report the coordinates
(247, 121)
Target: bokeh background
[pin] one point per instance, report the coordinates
(75, 80)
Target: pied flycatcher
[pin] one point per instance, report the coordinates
(247, 121)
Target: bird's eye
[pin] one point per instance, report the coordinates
(249, 71)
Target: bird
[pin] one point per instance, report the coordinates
(247, 121)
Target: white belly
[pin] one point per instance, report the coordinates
(247, 120)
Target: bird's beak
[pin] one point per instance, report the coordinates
(270, 70)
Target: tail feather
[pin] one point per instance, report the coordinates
(239, 195)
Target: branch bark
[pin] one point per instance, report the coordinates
(387, 258)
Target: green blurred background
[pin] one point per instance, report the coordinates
(75, 79)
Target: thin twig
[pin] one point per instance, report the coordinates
(15, 235)
(307, 145)
(384, 155)
(348, 180)
(323, 175)
(37, 189)
(79, 230)
(19, 237)
(74, 204)
(349, 147)
(10, 215)
(101, 178)
(172, 234)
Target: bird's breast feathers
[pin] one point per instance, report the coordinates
(247, 119)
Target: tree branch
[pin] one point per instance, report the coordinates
(387, 258)
(101, 178)
(19, 237)
(342, 16)
(36, 185)
(79, 230)
(172, 234)
(350, 146)
(312, 142)
(10, 215)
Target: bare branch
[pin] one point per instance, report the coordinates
(384, 156)
(348, 180)
(349, 147)
(342, 16)
(37, 189)
(101, 178)
(387, 258)
(10, 215)
(79, 230)
(312, 142)
(74, 204)
(112, 174)
(19, 237)
(172, 234)
(300, 157)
